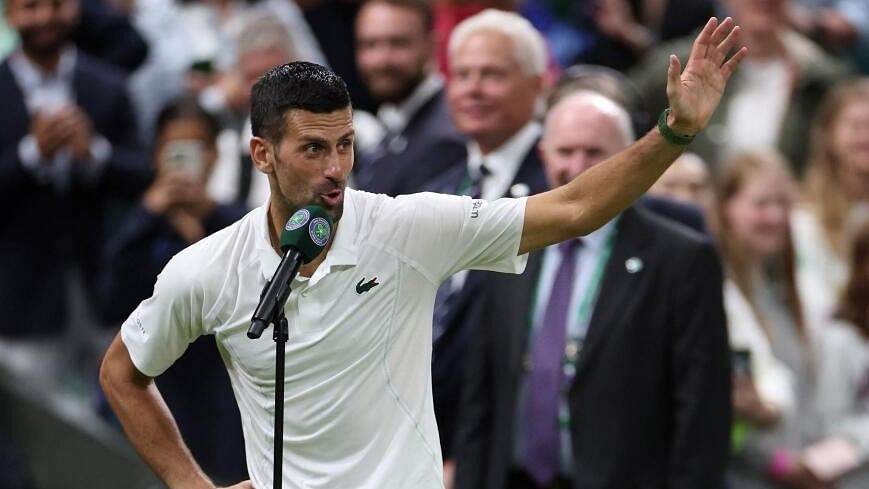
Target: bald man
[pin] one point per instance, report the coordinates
(605, 365)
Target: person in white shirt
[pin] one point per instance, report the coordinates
(358, 392)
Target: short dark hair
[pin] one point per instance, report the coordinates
(187, 107)
(421, 7)
(297, 85)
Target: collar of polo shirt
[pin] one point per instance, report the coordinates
(342, 253)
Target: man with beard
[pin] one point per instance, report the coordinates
(67, 146)
(412, 138)
(358, 399)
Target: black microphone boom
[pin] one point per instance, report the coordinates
(303, 239)
(275, 293)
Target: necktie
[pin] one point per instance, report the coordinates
(546, 375)
(472, 184)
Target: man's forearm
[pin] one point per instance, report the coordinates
(606, 190)
(149, 424)
(598, 194)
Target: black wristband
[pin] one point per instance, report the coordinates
(669, 135)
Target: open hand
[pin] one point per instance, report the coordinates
(694, 94)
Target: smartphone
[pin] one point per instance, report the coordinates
(741, 361)
(184, 155)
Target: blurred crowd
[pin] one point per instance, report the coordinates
(723, 321)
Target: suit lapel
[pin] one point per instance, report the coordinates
(530, 174)
(617, 288)
(85, 96)
(16, 115)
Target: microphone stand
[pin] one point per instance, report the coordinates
(281, 334)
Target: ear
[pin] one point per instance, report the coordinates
(260, 153)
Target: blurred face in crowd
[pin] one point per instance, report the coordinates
(578, 135)
(686, 180)
(393, 50)
(850, 143)
(311, 162)
(254, 63)
(757, 213)
(758, 16)
(490, 96)
(43, 25)
(187, 144)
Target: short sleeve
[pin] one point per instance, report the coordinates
(444, 234)
(159, 330)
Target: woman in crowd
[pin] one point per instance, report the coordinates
(773, 360)
(843, 382)
(836, 188)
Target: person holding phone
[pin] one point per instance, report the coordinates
(174, 212)
(773, 385)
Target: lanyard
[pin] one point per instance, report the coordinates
(573, 343)
(465, 184)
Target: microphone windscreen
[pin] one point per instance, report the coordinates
(307, 230)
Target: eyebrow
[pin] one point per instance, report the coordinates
(316, 139)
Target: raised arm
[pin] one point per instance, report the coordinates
(601, 192)
(148, 423)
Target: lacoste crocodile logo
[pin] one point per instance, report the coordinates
(362, 288)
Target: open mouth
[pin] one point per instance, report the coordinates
(332, 198)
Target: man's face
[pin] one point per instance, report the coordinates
(490, 96)
(576, 138)
(393, 50)
(686, 180)
(43, 25)
(253, 64)
(311, 162)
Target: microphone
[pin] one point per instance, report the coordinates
(304, 236)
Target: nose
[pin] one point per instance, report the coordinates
(43, 13)
(333, 167)
(578, 163)
(379, 54)
(468, 83)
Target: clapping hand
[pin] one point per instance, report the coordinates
(694, 93)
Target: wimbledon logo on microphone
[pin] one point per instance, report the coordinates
(298, 219)
(319, 230)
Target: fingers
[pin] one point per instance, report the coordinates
(674, 70)
(729, 67)
(721, 32)
(703, 41)
(725, 46)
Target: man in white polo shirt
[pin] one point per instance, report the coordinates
(358, 391)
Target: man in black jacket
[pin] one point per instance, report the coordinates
(606, 364)
(410, 139)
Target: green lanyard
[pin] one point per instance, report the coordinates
(573, 344)
(465, 184)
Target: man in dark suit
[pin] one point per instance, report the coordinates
(411, 139)
(67, 147)
(496, 80)
(606, 364)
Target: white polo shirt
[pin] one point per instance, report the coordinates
(358, 395)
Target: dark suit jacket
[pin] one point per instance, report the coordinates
(427, 147)
(42, 231)
(450, 349)
(650, 402)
